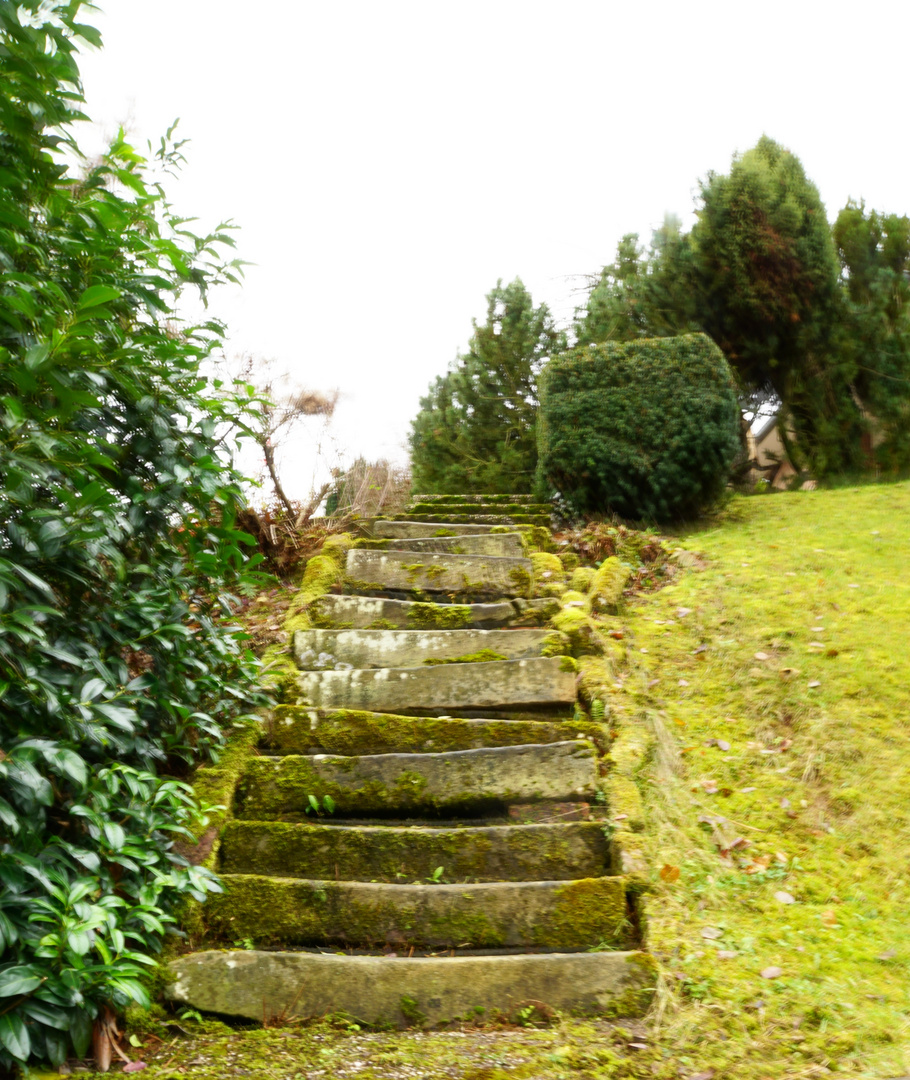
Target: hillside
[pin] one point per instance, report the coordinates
(770, 685)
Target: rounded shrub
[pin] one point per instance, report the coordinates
(644, 429)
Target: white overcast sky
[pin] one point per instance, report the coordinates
(389, 160)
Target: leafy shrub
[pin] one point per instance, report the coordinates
(118, 542)
(644, 429)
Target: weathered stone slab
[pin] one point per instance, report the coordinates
(254, 984)
(425, 572)
(446, 518)
(498, 685)
(415, 530)
(499, 545)
(495, 915)
(323, 649)
(368, 612)
(479, 506)
(277, 786)
(576, 849)
(485, 500)
(294, 729)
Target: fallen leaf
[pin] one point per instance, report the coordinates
(682, 612)
(712, 933)
(701, 649)
(889, 954)
(785, 897)
(813, 684)
(762, 656)
(853, 586)
(816, 644)
(669, 874)
(135, 1066)
(683, 682)
(788, 672)
(829, 918)
(722, 744)
(755, 672)
(638, 1046)
(781, 857)
(726, 954)
(617, 634)
(772, 973)
(785, 803)
(708, 1074)
(710, 787)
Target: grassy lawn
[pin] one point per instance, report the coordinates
(772, 683)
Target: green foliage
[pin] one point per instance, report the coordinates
(874, 251)
(646, 429)
(117, 545)
(640, 295)
(766, 265)
(476, 428)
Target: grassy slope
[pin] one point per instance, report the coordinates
(815, 778)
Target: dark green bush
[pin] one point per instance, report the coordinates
(644, 429)
(118, 543)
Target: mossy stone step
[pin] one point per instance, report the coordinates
(499, 544)
(275, 787)
(425, 572)
(323, 649)
(372, 612)
(481, 507)
(540, 682)
(417, 530)
(293, 729)
(448, 519)
(428, 990)
(552, 852)
(561, 915)
(496, 500)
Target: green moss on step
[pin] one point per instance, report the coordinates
(484, 656)
(581, 579)
(439, 616)
(521, 581)
(568, 663)
(549, 576)
(580, 629)
(607, 585)
(296, 729)
(588, 912)
(569, 561)
(381, 624)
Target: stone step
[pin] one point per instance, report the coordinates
(447, 519)
(275, 787)
(477, 576)
(320, 650)
(490, 500)
(292, 729)
(561, 915)
(499, 544)
(480, 507)
(554, 852)
(417, 530)
(443, 688)
(426, 990)
(373, 612)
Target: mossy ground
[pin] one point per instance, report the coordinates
(755, 783)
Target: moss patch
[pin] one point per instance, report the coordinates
(482, 656)
(607, 586)
(549, 577)
(423, 616)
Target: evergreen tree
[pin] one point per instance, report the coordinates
(874, 251)
(476, 428)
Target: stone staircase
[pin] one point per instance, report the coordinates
(422, 837)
